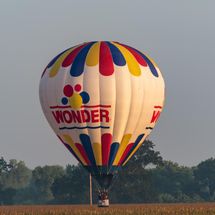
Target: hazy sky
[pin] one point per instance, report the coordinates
(178, 34)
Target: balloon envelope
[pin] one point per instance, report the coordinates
(102, 99)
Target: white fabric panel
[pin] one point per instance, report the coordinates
(123, 102)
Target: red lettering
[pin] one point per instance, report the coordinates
(95, 115)
(155, 116)
(76, 116)
(58, 116)
(104, 115)
(82, 116)
(67, 116)
(85, 115)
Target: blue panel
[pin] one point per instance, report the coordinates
(55, 58)
(77, 67)
(150, 64)
(85, 140)
(139, 138)
(117, 56)
(113, 150)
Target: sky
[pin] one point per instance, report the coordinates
(178, 35)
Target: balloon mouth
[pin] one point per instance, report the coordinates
(103, 175)
(104, 180)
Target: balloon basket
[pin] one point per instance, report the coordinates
(103, 200)
(103, 203)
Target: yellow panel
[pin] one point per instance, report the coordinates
(122, 147)
(55, 68)
(70, 142)
(133, 65)
(137, 147)
(97, 153)
(93, 55)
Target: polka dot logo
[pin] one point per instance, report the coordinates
(74, 96)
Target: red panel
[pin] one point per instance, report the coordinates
(106, 142)
(105, 60)
(127, 150)
(70, 57)
(137, 56)
(83, 153)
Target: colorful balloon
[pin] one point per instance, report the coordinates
(102, 99)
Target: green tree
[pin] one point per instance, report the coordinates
(172, 180)
(144, 156)
(73, 186)
(205, 177)
(42, 180)
(7, 196)
(17, 176)
(14, 175)
(4, 166)
(133, 184)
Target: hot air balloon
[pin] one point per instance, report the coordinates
(102, 99)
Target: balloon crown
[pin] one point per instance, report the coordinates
(104, 54)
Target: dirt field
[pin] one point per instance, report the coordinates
(145, 209)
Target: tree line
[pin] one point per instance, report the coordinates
(145, 178)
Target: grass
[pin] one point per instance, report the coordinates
(143, 209)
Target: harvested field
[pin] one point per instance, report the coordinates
(145, 209)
